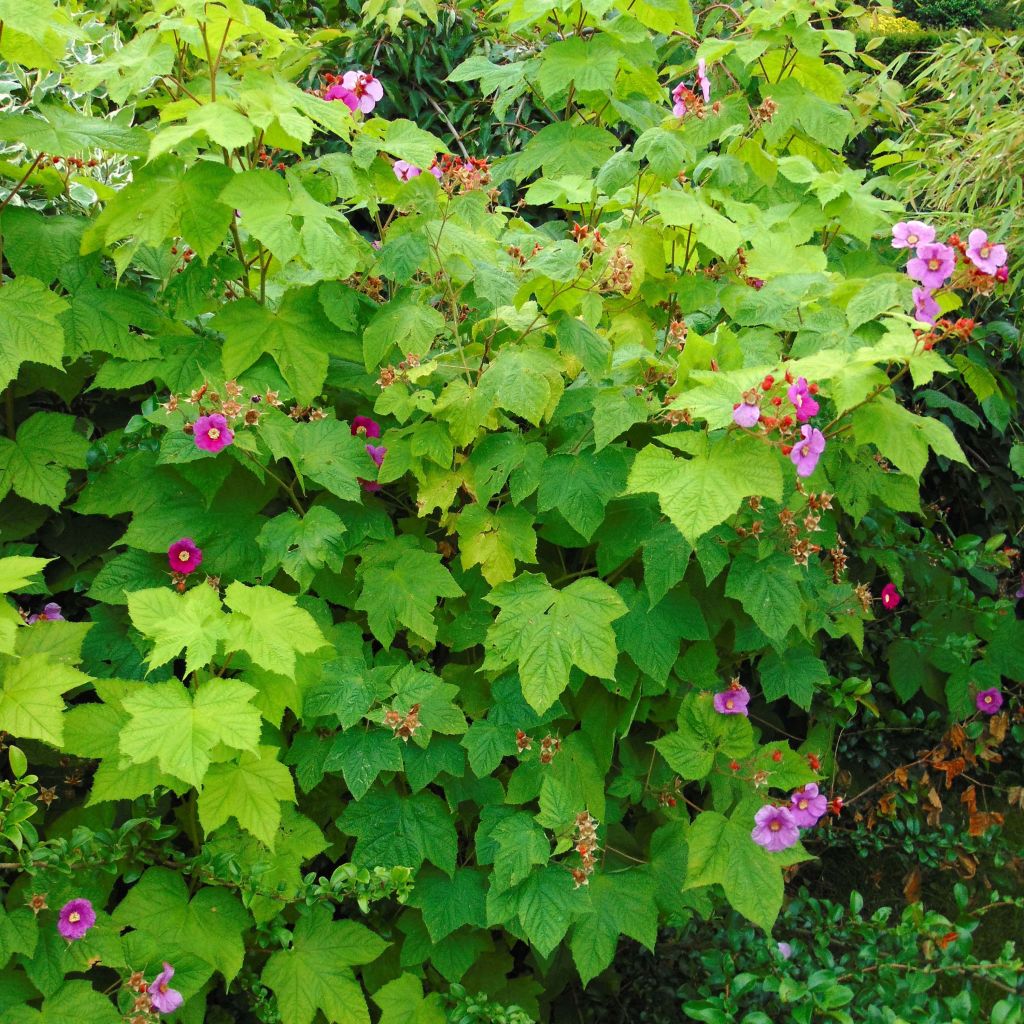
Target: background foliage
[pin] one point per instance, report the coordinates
(434, 717)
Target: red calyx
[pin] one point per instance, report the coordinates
(776, 756)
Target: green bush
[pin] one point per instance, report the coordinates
(394, 539)
(950, 13)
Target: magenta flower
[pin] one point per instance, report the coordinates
(75, 919)
(51, 613)
(775, 829)
(785, 950)
(807, 805)
(377, 453)
(733, 701)
(363, 426)
(926, 309)
(891, 597)
(212, 433)
(989, 701)
(909, 234)
(747, 413)
(802, 399)
(184, 556)
(339, 92)
(1003, 275)
(164, 998)
(805, 453)
(405, 170)
(932, 265)
(985, 255)
(703, 80)
(678, 102)
(366, 89)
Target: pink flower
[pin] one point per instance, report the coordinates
(775, 829)
(404, 170)
(377, 453)
(703, 80)
(985, 255)
(1003, 275)
(989, 701)
(746, 414)
(932, 265)
(785, 950)
(890, 597)
(363, 426)
(184, 556)
(435, 170)
(212, 433)
(802, 399)
(678, 101)
(51, 613)
(926, 309)
(75, 919)
(733, 701)
(339, 92)
(807, 805)
(370, 486)
(909, 234)
(164, 998)
(366, 89)
(805, 453)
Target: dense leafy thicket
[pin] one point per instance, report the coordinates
(425, 570)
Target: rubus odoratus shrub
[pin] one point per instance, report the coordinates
(412, 586)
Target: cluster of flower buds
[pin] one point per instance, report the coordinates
(670, 795)
(71, 162)
(585, 844)
(581, 234)
(270, 160)
(837, 555)
(764, 113)
(945, 330)
(389, 374)
(549, 746)
(618, 275)
(186, 256)
(676, 337)
(741, 270)
(403, 726)
(369, 285)
(799, 532)
(463, 174)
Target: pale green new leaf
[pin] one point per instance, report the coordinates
(31, 696)
(193, 622)
(179, 730)
(270, 627)
(29, 329)
(250, 791)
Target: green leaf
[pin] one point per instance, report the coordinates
(401, 584)
(903, 437)
(546, 904)
(560, 148)
(178, 730)
(406, 141)
(769, 591)
(31, 701)
(582, 342)
(722, 852)
(589, 64)
(30, 331)
(702, 735)
(270, 627)
(302, 547)
(69, 133)
(36, 463)
(708, 226)
(519, 845)
(496, 540)
(404, 322)
(35, 35)
(450, 903)
(250, 791)
(209, 926)
(362, 753)
(621, 903)
(16, 571)
(546, 631)
(796, 673)
(700, 492)
(650, 636)
(581, 486)
(397, 831)
(193, 622)
(402, 1002)
(296, 336)
(315, 973)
